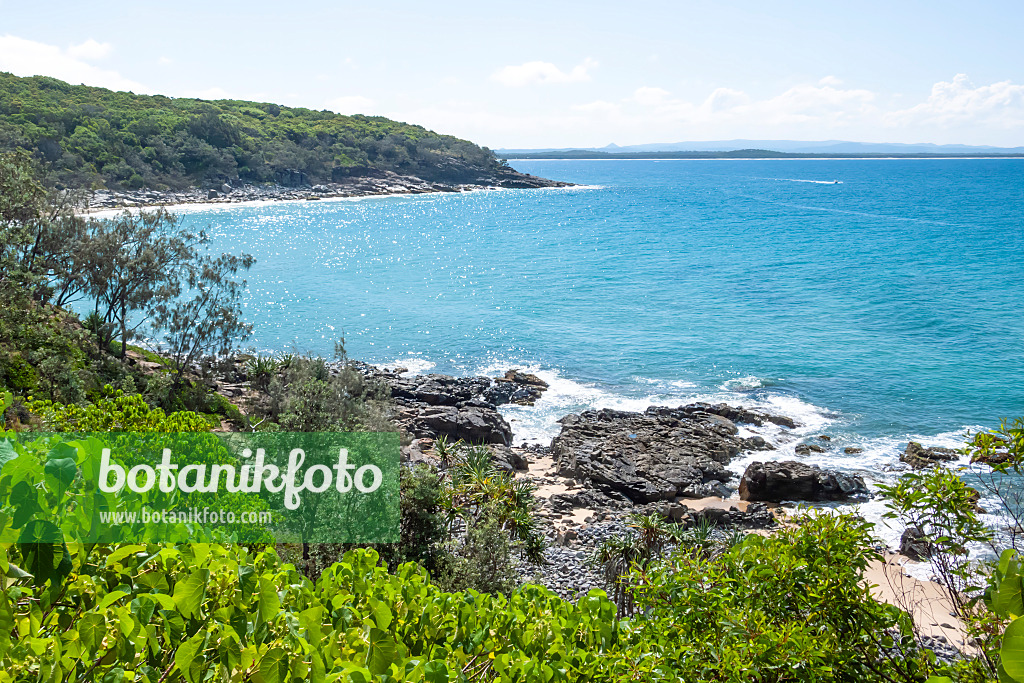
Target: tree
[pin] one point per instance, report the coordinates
(210, 322)
(41, 238)
(135, 267)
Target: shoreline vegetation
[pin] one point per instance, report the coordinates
(615, 553)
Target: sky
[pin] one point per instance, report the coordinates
(563, 73)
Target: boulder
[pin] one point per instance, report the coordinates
(471, 424)
(756, 516)
(508, 459)
(808, 448)
(757, 443)
(914, 545)
(656, 455)
(516, 387)
(919, 457)
(792, 480)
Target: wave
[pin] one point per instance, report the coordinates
(413, 364)
(802, 180)
(748, 383)
(877, 460)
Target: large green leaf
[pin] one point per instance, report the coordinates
(186, 656)
(435, 671)
(274, 666)
(382, 652)
(1011, 654)
(7, 452)
(189, 594)
(91, 630)
(269, 602)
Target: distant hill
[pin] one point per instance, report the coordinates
(93, 137)
(826, 147)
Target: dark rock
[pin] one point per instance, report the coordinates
(852, 449)
(919, 457)
(561, 503)
(473, 425)
(516, 387)
(656, 455)
(808, 448)
(225, 188)
(756, 516)
(735, 414)
(824, 437)
(508, 459)
(212, 194)
(792, 480)
(914, 545)
(756, 443)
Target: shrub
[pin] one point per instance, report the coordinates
(118, 412)
(789, 607)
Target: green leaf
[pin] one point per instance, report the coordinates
(381, 612)
(1008, 600)
(247, 581)
(1011, 654)
(274, 666)
(186, 655)
(189, 594)
(382, 653)
(61, 464)
(7, 452)
(269, 603)
(25, 500)
(91, 630)
(435, 671)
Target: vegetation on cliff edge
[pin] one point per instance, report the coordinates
(90, 137)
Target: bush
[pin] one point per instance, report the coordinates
(482, 561)
(789, 607)
(117, 412)
(422, 527)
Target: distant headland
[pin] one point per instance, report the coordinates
(766, 149)
(139, 149)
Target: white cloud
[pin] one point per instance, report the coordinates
(723, 99)
(351, 104)
(90, 50)
(164, 61)
(28, 58)
(959, 102)
(542, 72)
(650, 96)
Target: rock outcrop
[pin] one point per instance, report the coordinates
(792, 480)
(656, 455)
(919, 457)
(464, 408)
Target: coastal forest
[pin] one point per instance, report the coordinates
(88, 138)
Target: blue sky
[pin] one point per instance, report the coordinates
(555, 73)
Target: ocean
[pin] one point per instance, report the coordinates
(873, 300)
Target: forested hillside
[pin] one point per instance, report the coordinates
(93, 137)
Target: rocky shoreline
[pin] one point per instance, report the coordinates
(295, 186)
(605, 465)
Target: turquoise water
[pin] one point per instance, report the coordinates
(880, 308)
